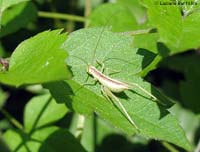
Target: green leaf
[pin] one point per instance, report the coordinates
(176, 32)
(109, 51)
(3, 146)
(146, 114)
(58, 90)
(39, 59)
(126, 13)
(151, 66)
(146, 41)
(4, 4)
(66, 96)
(17, 17)
(61, 140)
(108, 14)
(21, 142)
(42, 110)
(116, 53)
(136, 8)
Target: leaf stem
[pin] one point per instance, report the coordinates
(12, 119)
(169, 147)
(61, 16)
(140, 32)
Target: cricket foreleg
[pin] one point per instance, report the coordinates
(101, 64)
(111, 97)
(103, 68)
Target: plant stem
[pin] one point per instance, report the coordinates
(61, 16)
(53, 9)
(87, 10)
(80, 126)
(169, 147)
(140, 32)
(12, 119)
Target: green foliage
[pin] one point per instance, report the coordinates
(36, 56)
(176, 32)
(111, 13)
(129, 38)
(108, 52)
(42, 110)
(64, 141)
(39, 109)
(17, 17)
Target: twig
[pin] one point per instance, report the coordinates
(61, 16)
(87, 10)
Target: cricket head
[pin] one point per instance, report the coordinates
(90, 69)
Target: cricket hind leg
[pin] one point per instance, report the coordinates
(145, 91)
(154, 98)
(112, 98)
(105, 95)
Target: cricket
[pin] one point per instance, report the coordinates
(110, 86)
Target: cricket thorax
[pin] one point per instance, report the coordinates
(95, 73)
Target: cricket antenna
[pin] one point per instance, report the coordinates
(80, 59)
(100, 35)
